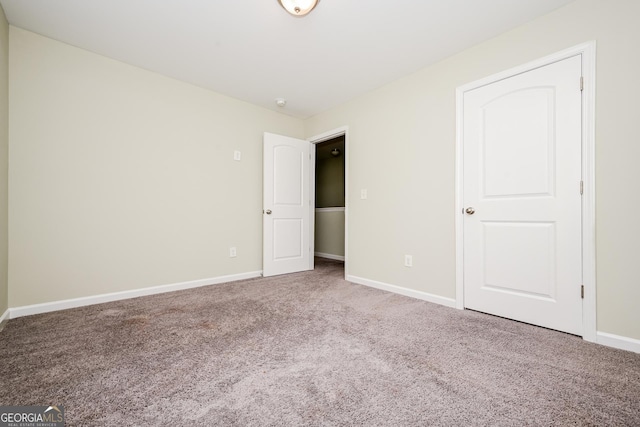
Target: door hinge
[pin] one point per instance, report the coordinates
(582, 291)
(581, 187)
(581, 84)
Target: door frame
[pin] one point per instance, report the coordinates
(588, 52)
(317, 139)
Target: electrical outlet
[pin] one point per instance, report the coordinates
(232, 252)
(363, 193)
(408, 261)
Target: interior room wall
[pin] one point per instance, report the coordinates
(4, 147)
(330, 174)
(329, 234)
(410, 207)
(123, 179)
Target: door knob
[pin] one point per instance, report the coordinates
(470, 211)
(268, 212)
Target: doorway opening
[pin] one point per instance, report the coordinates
(329, 233)
(330, 195)
(289, 197)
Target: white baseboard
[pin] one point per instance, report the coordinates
(29, 310)
(602, 338)
(436, 299)
(329, 256)
(4, 318)
(617, 341)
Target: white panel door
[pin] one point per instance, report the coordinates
(287, 205)
(521, 190)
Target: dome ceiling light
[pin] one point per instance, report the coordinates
(298, 7)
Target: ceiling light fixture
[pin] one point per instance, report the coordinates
(298, 7)
(335, 152)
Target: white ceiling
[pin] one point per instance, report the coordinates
(254, 51)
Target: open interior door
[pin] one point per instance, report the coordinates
(286, 205)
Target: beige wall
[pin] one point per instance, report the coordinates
(410, 208)
(4, 143)
(121, 178)
(329, 233)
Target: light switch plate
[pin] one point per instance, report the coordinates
(237, 155)
(408, 261)
(363, 193)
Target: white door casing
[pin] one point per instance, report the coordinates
(522, 171)
(317, 139)
(286, 204)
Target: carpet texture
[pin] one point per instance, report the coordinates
(309, 349)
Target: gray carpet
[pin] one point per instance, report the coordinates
(309, 349)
